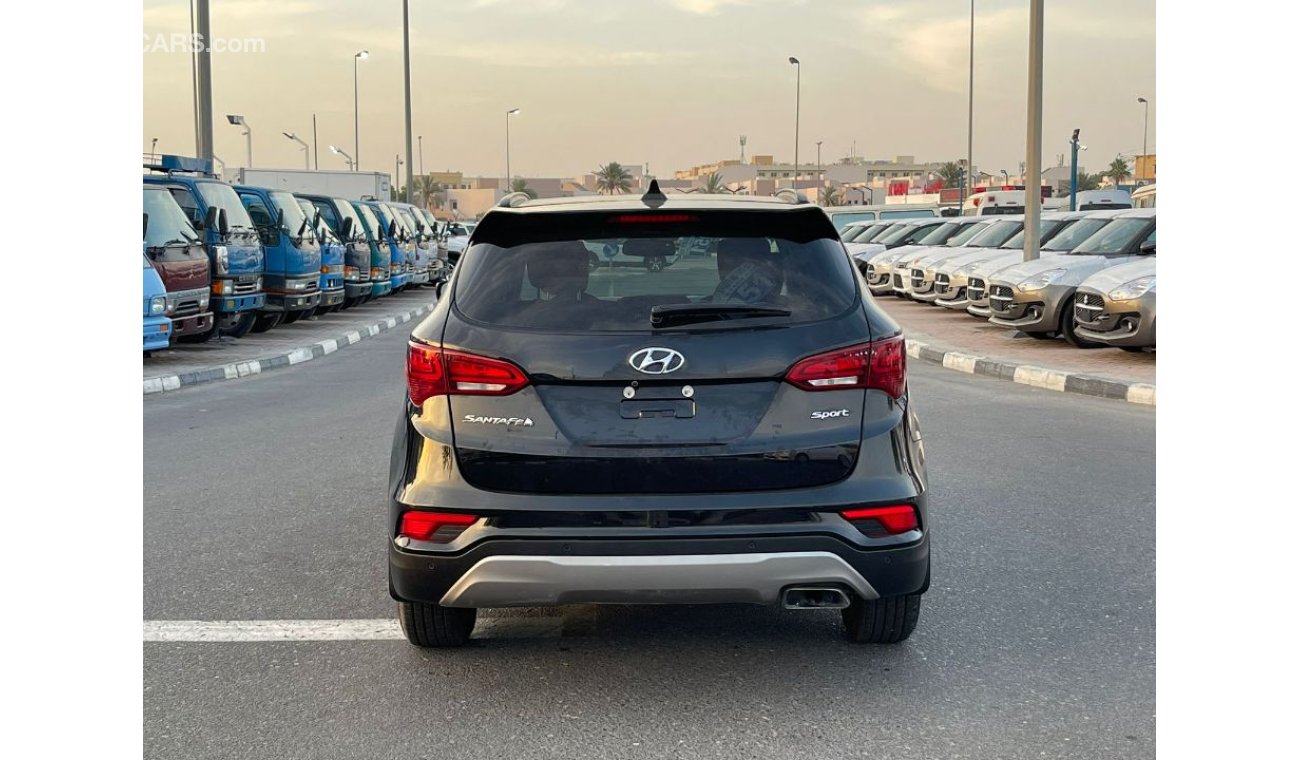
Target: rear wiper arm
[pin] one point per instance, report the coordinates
(665, 315)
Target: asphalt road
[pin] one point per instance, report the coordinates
(1037, 638)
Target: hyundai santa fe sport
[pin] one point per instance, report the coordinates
(734, 429)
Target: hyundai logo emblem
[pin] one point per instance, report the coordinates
(656, 361)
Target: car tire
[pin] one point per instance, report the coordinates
(264, 322)
(1067, 328)
(1134, 349)
(593, 262)
(1041, 335)
(655, 263)
(241, 328)
(881, 621)
(432, 625)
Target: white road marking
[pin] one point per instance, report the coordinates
(490, 625)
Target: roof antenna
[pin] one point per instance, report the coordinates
(654, 197)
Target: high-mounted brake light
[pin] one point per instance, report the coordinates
(434, 526)
(654, 218)
(436, 371)
(880, 364)
(892, 520)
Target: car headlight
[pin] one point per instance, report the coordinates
(1133, 289)
(158, 304)
(204, 298)
(223, 259)
(1040, 281)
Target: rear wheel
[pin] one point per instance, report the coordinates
(881, 621)
(432, 625)
(593, 262)
(655, 263)
(265, 322)
(240, 327)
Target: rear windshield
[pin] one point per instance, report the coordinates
(595, 279)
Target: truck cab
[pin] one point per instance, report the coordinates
(292, 273)
(332, 255)
(157, 327)
(380, 257)
(175, 253)
(439, 266)
(228, 235)
(426, 248)
(343, 220)
(401, 248)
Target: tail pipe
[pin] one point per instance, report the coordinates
(814, 598)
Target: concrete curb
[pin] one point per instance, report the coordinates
(285, 359)
(1038, 377)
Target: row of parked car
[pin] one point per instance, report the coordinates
(1094, 283)
(224, 259)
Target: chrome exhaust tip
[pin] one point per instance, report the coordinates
(814, 598)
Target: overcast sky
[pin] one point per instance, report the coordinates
(671, 83)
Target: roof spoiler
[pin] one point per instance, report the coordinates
(790, 195)
(510, 200)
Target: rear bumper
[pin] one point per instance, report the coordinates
(584, 570)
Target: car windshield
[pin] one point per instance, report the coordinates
(939, 234)
(223, 196)
(874, 231)
(961, 237)
(852, 233)
(897, 233)
(1074, 233)
(653, 286)
(843, 218)
(346, 211)
(323, 232)
(404, 214)
(997, 233)
(1046, 228)
(167, 223)
(295, 221)
(1113, 238)
(372, 221)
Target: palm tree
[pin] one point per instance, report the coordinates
(1118, 170)
(713, 184)
(832, 196)
(950, 173)
(1089, 181)
(521, 186)
(426, 188)
(613, 178)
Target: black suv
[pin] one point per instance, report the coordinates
(734, 428)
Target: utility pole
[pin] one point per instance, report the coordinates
(315, 144)
(970, 112)
(797, 73)
(1034, 143)
(203, 89)
(1074, 167)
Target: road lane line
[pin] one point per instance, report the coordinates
(382, 629)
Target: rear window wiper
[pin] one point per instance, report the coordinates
(668, 314)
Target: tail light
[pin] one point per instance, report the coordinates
(440, 527)
(878, 522)
(436, 371)
(880, 364)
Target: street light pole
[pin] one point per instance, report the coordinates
(797, 74)
(1074, 167)
(240, 121)
(1034, 147)
(509, 113)
(203, 83)
(306, 155)
(406, 61)
(970, 111)
(356, 110)
(397, 171)
(346, 157)
(819, 165)
(1145, 113)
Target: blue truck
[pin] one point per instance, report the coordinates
(343, 220)
(292, 271)
(401, 248)
(229, 239)
(157, 326)
(380, 256)
(332, 256)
